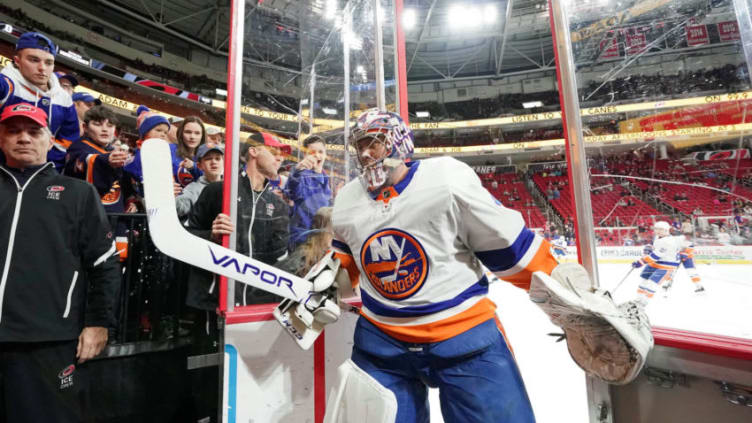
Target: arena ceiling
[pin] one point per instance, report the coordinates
(435, 49)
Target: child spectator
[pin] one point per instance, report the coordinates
(190, 136)
(211, 162)
(95, 159)
(214, 136)
(149, 125)
(308, 189)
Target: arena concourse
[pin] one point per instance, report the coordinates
(663, 97)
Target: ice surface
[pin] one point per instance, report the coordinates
(556, 385)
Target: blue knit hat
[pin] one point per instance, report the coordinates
(147, 120)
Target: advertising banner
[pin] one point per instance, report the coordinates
(728, 31)
(697, 35)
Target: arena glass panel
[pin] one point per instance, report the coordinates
(332, 39)
(665, 113)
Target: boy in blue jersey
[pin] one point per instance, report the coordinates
(30, 80)
(308, 188)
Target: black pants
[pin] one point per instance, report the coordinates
(41, 382)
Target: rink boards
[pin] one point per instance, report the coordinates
(268, 378)
(726, 254)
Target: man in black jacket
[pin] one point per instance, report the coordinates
(59, 279)
(262, 223)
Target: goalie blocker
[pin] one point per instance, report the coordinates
(606, 340)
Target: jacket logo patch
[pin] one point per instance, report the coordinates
(53, 192)
(395, 263)
(66, 376)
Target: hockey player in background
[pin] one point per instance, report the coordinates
(662, 262)
(418, 240)
(686, 256)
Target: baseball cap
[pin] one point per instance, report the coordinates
(204, 149)
(25, 110)
(36, 40)
(86, 97)
(72, 79)
(213, 130)
(269, 140)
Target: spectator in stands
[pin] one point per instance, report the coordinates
(190, 136)
(723, 236)
(687, 227)
(96, 160)
(67, 82)
(308, 188)
(83, 102)
(31, 80)
(211, 163)
(262, 226)
(214, 136)
(60, 282)
(172, 135)
(149, 125)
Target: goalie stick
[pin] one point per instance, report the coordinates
(171, 237)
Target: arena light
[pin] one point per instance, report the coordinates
(423, 114)
(531, 104)
(355, 42)
(489, 13)
(461, 16)
(330, 11)
(329, 111)
(409, 17)
(221, 92)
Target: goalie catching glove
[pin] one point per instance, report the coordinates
(305, 320)
(607, 341)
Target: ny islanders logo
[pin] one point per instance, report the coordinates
(395, 263)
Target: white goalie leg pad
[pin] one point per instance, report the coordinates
(608, 341)
(360, 398)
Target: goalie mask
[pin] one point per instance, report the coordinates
(381, 142)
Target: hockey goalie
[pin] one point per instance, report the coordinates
(418, 237)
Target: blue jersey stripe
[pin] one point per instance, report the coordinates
(341, 246)
(505, 258)
(479, 288)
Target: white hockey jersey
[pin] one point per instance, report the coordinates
(665, 254)
(421, 248)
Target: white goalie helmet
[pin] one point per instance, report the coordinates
(397, 138)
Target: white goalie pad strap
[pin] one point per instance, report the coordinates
(608, 341)
(358, 397)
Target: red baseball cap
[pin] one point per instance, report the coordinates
(270, 140)
(26, 110)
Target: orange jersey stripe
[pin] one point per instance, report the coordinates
(542, 261)
(90, 168)
(347, 261)
(661, 266)
(63, 143)
(443, 329)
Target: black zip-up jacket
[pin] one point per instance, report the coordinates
(60, 275)
(269, 237)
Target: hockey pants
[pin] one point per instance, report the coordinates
(475, 372)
